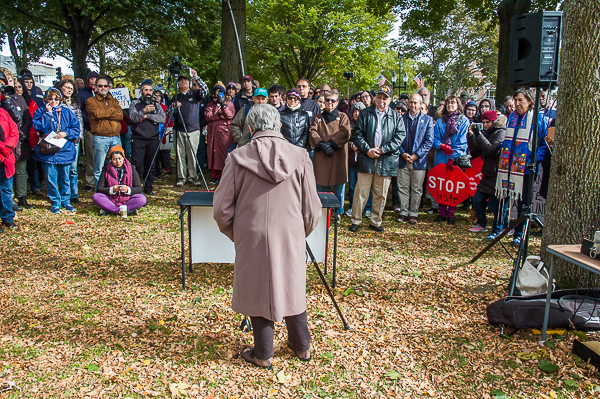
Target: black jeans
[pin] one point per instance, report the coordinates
(394, 188)
(201, 152)
(298, 335)
(163, 158)
(142, 152)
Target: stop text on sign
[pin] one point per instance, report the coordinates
(448, 188)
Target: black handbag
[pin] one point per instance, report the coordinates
(46, 148)
(464, 162)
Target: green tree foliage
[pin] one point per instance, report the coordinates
(291, 39)
(87, 23)
(462, 54)
(26, 41)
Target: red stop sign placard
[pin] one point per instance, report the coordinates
(474, 174)
(448, 188)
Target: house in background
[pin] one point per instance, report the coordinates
(44, 73)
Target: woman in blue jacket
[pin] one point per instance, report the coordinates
(450, 143)
(57, 118)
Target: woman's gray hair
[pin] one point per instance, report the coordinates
(263, 117)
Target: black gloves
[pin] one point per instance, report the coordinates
(325, 147)
(475, 129)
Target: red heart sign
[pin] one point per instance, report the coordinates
(474, 174)
(448, 188)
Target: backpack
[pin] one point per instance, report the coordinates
(578, 309)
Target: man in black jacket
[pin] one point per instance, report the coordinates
(308, 104)
(188, 102)
(145, 116)
(378, 135)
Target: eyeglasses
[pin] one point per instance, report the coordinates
(330, 100)
(53, 99)
(293, 99)
(101, 86)
(487, 122)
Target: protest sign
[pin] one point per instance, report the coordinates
(448, 188)
(166, 143)
(122, 96)
(474, 174)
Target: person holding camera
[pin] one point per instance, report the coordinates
(145, 115)
(188, 101)
(219, 113)
(486, 143)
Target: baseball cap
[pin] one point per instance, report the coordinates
(247, 77)
(385, 90)
(261, 92)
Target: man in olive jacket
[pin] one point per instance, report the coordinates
(378, 135)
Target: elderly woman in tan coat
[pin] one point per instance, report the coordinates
(329, 134)
(267, 205)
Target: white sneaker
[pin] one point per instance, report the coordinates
(478, 229)
(348, 212)
(368, 214)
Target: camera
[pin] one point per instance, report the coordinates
(349, 75)
(7, 90)
(175, 66)
(150, 101)
(477, 127)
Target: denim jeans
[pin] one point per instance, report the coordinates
(352, 178)
(58, 186)
(337, 190)
(73, 175)
(481, 201)
(6, 197)
(32, 175)
(126, 140)
(101, 146)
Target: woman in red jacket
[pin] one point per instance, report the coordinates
(9, 138)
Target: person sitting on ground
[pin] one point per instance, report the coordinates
(119, 184)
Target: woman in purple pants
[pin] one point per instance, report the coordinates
(119, 184)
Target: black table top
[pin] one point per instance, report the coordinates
(205, 198)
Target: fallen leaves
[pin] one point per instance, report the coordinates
(179, 389)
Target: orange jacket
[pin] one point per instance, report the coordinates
(105, 115)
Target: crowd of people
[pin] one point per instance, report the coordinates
(361, 147)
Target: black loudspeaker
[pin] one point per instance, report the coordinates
(534, 48)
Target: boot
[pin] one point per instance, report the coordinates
(16, 207)
(23, 203)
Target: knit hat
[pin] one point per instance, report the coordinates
(147, 82)
(117, 149)
(218, 86)
(294, 93)
(471, 104)
(247, 77)
(231, 84)
(490, 116)
(56, 90)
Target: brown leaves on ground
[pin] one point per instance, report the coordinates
(92, 307)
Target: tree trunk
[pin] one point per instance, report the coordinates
(573, 202)
(80, 50)
(506, 10)
(19, 59)
(101, 59)
(230, 68)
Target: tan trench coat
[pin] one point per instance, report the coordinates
(267, 204)
(330, 170)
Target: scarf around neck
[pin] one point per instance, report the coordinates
(330, 116)
(450, 121)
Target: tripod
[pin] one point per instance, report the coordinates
(528, 216)
(245, 326)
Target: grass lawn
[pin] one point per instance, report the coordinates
(92, 307)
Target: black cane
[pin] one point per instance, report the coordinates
(312, 257)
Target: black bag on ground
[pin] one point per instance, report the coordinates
(581, 307)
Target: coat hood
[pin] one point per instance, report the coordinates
(500, 122)
(269, 156)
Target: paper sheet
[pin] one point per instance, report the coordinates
(59, 142)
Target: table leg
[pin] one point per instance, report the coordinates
(335, 233)
(548, 298)
(182, 225)
(190, 238)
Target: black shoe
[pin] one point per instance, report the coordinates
(10, 225)
(23, 203)
(87, 188)
(74, 200)
(451, 220)
(158, 178)
(16, 207)
(148, 191)
(353, 228)
(132, 213)
(1, 230)
(378, 229)
(439, 219)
